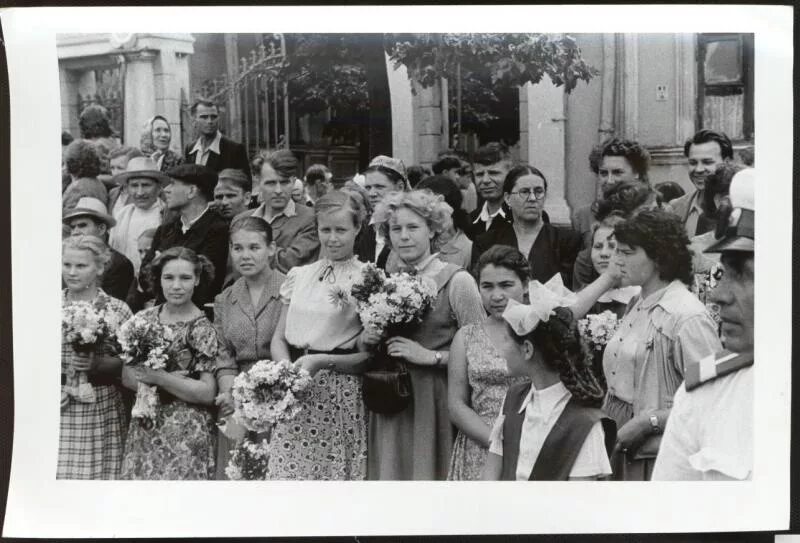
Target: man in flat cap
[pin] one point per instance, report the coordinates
(197, 227)
(709, 435)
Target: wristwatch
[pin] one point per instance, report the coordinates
(437, 359)
(654, 424)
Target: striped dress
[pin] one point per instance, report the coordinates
(92, 434)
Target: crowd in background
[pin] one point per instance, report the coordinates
(238, 255)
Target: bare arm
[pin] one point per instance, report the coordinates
(279, 347)
(199, 391)
(493, 468)
(343, 363)
(461, 413)
(589, 295)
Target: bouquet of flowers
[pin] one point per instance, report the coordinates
(268, 393)
(248, 461)
(145, 342)
(383, 302)
(596, 330)
(85, 326)
(703, 284)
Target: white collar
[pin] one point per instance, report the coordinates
(185, 227)
(213, 146)
(546, 398)
(485, 216)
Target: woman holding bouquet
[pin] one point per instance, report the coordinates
(417, 442)
(92, 430)
(327, 440)
(245, 315)
(665, 327)
(179, 443)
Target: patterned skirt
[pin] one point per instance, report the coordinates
(180, 446)
(92, 437)
(328, 438)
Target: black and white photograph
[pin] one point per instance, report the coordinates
(417, 264)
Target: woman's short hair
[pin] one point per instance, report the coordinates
(354, 188)
(282, 161)
(431, 207)
(663, 238)
(558, 341)
(94, 122)
(415, 174)
(623, 198)
(607, 222)
(338, 200)
(250, 223)
(521, 171)
(632, 151)
(718, 183)
(444, 185)
(203, 269)
(81, 159)
(235, 177)
(317, 173)
(146, 139)
(95, 245)
(504, 256)
(669, 190)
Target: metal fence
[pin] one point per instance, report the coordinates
(253, 105)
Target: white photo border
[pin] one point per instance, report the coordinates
(41, 506)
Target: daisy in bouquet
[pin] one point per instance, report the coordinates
(268, 393)
(389, 302)
(248, 461)
(597, 330)
(85, 326)
(145, 342)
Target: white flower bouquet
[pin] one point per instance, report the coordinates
(597, 330)
(384, 302)
(85, 327)
(248, 461)
(145, 342)
(268, 393)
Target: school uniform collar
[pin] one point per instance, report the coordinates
(213, 146)
(485, 216)
(547, 398)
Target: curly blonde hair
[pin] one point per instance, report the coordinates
(425, 203)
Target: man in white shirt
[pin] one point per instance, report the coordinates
(709, 433)
(143, 182)
(212, 149)
(492, 163)
(704, 152)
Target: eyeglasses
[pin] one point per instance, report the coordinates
(537, 193)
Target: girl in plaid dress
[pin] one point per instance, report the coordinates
(92, 433)
(180, 444)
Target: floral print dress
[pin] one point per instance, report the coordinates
(181, 443)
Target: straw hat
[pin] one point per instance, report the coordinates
(142, 166)
(91, 207)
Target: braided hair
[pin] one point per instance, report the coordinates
(558, 342)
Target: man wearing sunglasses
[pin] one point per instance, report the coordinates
(550, 249)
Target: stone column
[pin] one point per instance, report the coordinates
(69, 101)
(140, 93)
(402, 101)
(427, 123)
(543, 140)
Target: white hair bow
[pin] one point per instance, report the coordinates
(524, 318)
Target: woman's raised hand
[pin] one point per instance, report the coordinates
(613, 272)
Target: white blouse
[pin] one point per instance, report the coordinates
(542, 410)
(314, 320)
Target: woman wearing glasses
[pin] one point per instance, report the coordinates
(327, 440)
(550, 250)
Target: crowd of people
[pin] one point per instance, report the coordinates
(238, 258)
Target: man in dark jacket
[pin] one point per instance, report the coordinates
(198, 227)
(492, 163)
(212, 149)
(550, 249)
(89, 217)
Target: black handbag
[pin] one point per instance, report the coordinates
(386, 386)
